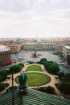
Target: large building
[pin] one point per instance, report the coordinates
(39, 46)
(4, 55)
(66, 51)
(14, 46)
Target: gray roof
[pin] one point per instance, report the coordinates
(33, 97)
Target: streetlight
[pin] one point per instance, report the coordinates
(13, 99)
(14, 69)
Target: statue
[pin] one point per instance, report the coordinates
(23, 83)
(34, 55)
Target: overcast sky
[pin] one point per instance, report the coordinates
(34, 18)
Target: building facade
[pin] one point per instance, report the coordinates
(14, 46)
(66, 52)
(5, 58)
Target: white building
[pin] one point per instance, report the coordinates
(66, 51)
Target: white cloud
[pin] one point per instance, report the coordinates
(41, 18)
(40, 26)
(24, 5)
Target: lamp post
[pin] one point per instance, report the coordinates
(13, 99)
(13, 70)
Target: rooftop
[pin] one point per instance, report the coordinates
(4, 48)
(33, 97)
(67, 47)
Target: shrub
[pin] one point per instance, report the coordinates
(52, 67)
(50, 90)
(65, 87)
(65, 84)
(30, 62)
(61, 75)
(44, 62)
(3, 75)
(65, 77)
(3, 86)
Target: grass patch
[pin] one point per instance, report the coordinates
(34, 67)
(36, 79)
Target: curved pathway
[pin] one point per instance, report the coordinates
(52, 82)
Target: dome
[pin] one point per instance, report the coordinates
(4, 48)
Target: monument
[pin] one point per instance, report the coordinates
(23, 83)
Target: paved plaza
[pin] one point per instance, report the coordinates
(27, 56)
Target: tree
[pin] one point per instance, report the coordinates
(14, 69)
(44, 62)
(3, 75)
(52, 67)
(65, 83)
(61, 75)
(30, 62)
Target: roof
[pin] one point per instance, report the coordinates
(33, 97)
(4, 48)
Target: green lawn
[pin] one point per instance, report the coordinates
(37, 79)
(34, 67)
(35, 74)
